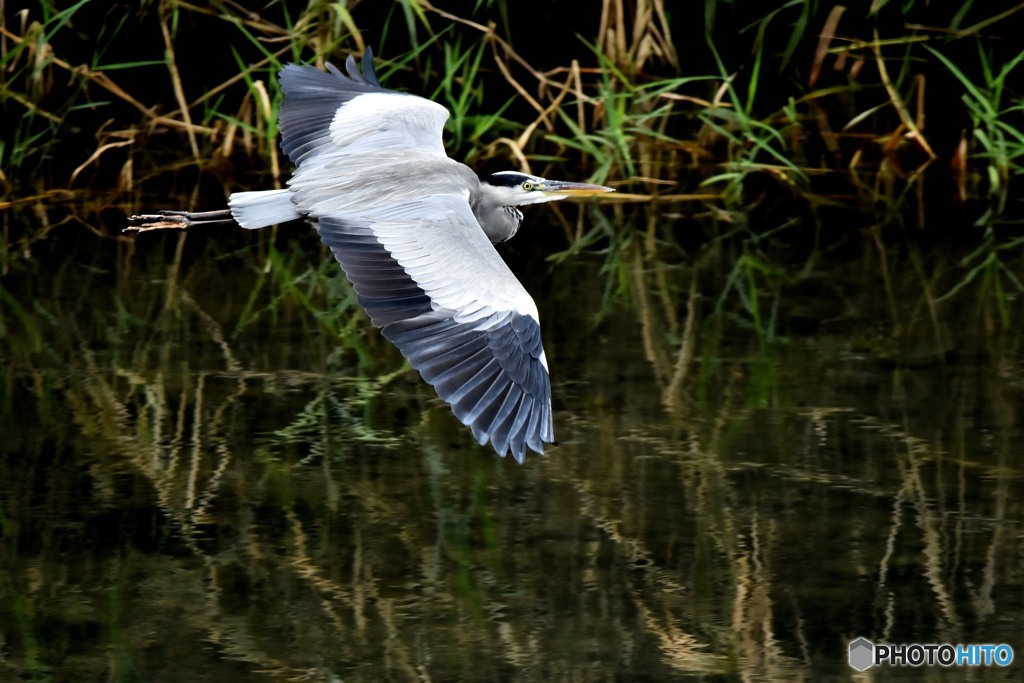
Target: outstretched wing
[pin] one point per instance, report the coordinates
(395, 212)
(424, 274)
(329, 112)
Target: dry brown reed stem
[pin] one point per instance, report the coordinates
(610, 30)
(699, 101)
(97, 154)
(890, 297)
(895, 99)
(516, 149)
(985, 23)
(650, 36)
(267, 109)
(126, 179)
(920, 82)
(958, 166)
(666, 42)
(652, 349)
(663, 283)
(179, 90)
(35, 109)
(577, 80)
(503, 68)
(575, 72)
(828, 33)
(687, 351)
(524, 137)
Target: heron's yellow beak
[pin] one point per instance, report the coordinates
(560, 189)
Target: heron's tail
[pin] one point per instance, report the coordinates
(259, 209)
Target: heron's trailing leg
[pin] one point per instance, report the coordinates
(176, 220)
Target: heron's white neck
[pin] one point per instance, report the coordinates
(496, 211)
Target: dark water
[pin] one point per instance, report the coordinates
(203, 480)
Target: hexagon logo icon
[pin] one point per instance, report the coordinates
(862, 654)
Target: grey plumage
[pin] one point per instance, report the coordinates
(413, 230)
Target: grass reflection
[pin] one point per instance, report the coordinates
(913, 364)
(214, 467)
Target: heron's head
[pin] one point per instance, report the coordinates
(513, 188)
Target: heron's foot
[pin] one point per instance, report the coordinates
(165, 220)
(175, 220)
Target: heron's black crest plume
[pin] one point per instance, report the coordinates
(508, 178)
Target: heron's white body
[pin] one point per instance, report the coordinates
(436, 239)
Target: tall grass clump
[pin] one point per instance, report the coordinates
(997, 125)
(728, 119)
(792, 93)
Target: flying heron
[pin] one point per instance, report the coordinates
(413, 231)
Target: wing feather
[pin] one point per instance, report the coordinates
(490, 370)
(334, 114)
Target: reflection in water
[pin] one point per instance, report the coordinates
(201, 482)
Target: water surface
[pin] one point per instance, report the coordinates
(203, 480)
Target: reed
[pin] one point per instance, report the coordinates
(625, 107)
(697, 133)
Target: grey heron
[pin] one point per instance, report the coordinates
(413, 231)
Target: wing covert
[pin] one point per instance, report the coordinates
(329, 111)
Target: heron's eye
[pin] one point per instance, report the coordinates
(527, 186)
